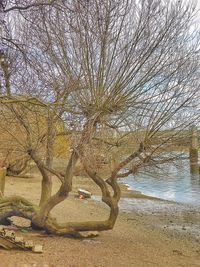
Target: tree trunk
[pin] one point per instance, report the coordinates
(6, 72)
(194, 146)
(47, 179)
(46, 186)
(46, 189)
(2, 181)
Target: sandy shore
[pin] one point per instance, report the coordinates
(148, 232)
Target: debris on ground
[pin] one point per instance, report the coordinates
(89, 234)
(82, 193)
(8, 240)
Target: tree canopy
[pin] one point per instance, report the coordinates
(122, 76)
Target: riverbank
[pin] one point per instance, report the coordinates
(141, 236)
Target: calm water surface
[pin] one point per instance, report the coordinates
(172, 183)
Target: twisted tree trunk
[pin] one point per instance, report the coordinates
(40, 215)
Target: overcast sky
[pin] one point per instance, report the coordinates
(198, 4)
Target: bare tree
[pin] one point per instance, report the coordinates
(20, 5)
(122, 76)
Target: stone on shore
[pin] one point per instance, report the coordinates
(89, 234)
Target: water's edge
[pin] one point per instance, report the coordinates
(176, 185)
(163, 215)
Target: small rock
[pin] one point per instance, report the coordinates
(8, 233)
(29, 244)
(19, 239)
(89, 234)
(20, 222)
(37, 249)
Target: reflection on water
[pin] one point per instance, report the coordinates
(172, 183)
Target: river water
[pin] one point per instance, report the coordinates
(171, 183)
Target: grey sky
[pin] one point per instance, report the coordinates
(198, 5)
